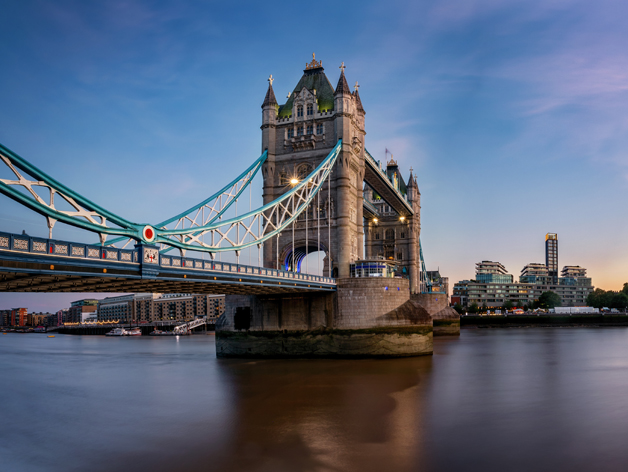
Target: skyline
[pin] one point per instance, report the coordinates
(511, 115)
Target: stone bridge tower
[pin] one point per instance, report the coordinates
(298, 135)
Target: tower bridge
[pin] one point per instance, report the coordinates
(322, 191)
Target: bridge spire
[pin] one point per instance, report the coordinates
(270, 94)
(343, 86)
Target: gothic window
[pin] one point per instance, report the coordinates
(399, 256)
(283, 179)
(319, 128)
(299, 110)
(310, 129)
(300, 131)
(310, 109)
(290, 133)
(390, 234)
(403, 235)
(303, 171)
(377, 235)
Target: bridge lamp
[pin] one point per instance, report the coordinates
(294, 181)
(375, 220)
(402, 219)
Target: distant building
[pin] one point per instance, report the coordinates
(19, 317)
(146, 308)
(551, 256)
(80, 310)
(534, 273)
(5, 317)
(491, 272)
(37, 319)
(493, 287)
(439, 283)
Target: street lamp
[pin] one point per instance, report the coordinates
(294, 181)
(402, 218)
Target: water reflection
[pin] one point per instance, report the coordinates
(516, 400)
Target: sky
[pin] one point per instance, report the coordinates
(511, 113)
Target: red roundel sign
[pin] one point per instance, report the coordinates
(148, 233)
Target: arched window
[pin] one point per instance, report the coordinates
(390, 234)
(310, 109)
(299, 110)
(377, 235)
(303, 171)
(399, 256)
(319, 128)
(403, 235)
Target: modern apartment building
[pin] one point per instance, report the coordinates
(551, 256)
(492, 272)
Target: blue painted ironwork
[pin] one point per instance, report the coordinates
(50, 251)
(425, 283)
(234, 234)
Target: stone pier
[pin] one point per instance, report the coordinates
(366, 317)
(446, 320)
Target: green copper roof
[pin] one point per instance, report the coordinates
(312, 79)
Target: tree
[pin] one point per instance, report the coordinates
(484, 307)
(473, 308)
(625, 289)
(508, 305)
(549, 300)
(458, 308)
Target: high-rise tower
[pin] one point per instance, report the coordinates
(551, 256)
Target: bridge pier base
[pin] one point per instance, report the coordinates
(446, 320)
(366, 317)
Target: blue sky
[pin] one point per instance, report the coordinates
(512, 113)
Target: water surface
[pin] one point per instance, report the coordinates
(503, 399)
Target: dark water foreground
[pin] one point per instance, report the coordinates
(537, 399)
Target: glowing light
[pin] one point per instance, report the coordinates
(403, 218)
(294, 181)
(375, 220)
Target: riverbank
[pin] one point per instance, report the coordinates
(519, 321)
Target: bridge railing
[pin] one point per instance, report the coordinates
(86, 252)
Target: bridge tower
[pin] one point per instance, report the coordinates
(298, 135)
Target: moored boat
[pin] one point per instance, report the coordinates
(116, 332)
(133, 332)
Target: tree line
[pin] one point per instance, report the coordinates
(609, 299)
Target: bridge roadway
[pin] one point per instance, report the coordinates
(31, 264)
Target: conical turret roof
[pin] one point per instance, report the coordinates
(343, 86)
(270, 94)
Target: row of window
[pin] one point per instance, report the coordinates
(309, 129)
(310, 110)
(390, 234)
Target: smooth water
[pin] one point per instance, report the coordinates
(532, 399)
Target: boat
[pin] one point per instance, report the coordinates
(133, 332)
(51, 336)
(158, 332)
(116, 332)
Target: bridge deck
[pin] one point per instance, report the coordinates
(29, 264)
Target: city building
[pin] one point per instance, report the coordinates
(80, 310)
(492, 287)
(5, 316)
(551, 256)
(492, 272)
(37, 319)
(19, 317)
(535, 273)
(147, 308)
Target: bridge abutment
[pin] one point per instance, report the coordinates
(367, 317)
(446, 320)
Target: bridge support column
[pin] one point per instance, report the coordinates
(446, 320)
(366, 317)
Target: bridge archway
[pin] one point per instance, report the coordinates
(313, 257)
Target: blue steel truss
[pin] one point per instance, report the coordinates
(235, 234)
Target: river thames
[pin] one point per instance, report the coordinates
(541, 399)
